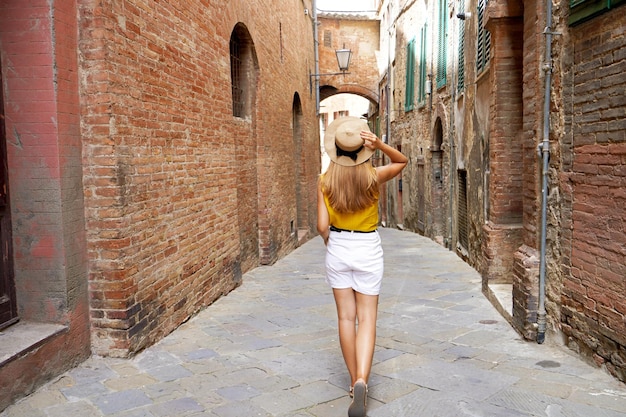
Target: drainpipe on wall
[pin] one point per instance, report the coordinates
(544, 150)
(392, 22)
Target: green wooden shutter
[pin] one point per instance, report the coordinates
(442, 51)
(409, 92)
(583, 10)
(483, 44)
(460, 84)
(421, 98)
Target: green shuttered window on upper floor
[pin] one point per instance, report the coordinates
(583, 10)
(483, 44)
(460, 76)
(421, 92)
(409, 90)
(441, 43)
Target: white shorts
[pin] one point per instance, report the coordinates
(355, 260)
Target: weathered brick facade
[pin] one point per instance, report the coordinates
(141, 187)
(593, 187)
(485, 124)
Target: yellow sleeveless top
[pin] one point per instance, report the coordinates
(365, 220)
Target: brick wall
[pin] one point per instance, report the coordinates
(527, 255)
(502, 229)
(594, 261)
(182, 197)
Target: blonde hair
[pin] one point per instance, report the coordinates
(350, 189)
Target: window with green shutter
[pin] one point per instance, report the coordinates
(441, 41)
(583, 10)
(460, 82)
(421, 94)
(409, 91)
(483, 44)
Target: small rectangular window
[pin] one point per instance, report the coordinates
(328, 38)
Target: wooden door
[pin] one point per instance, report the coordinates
(8, 305)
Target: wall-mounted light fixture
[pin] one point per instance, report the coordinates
(464, 15)
(343, 62)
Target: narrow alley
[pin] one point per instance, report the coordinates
(270, 348)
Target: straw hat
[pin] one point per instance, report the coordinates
(343, 142)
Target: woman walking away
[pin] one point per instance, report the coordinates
(347, 220)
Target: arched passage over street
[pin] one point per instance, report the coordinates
(330, 90)
(360, 34)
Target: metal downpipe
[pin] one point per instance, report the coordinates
(544, 149)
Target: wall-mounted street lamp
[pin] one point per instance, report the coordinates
(343, 58)
(343, 62)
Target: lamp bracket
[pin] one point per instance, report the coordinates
(322, 75)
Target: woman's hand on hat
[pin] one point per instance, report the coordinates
(371, 141)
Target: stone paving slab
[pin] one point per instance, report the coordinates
(270, 348)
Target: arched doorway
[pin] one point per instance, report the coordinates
(437, 182)
(300, 229)
(8, 303)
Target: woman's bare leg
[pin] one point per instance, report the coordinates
(357, 344)
(345, 300)
(367, 312)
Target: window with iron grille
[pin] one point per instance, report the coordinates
(243, 71)
(483, 44)
(236, 76)
(462, 219)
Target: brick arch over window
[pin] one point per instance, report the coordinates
(244, 68)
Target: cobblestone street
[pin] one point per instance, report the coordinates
(270, 348)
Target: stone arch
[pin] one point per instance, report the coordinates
(438, 128)
(439, 178)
